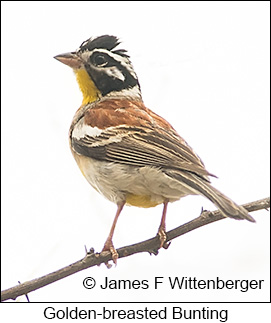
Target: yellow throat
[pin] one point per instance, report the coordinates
(87, 86)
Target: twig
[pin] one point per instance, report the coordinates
(152, 245)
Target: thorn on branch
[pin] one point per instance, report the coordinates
(90, 251)
(205, 214)
(153, 252)
(27, 298)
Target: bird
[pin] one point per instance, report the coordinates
(127, 152)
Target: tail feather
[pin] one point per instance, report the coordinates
(226, 205)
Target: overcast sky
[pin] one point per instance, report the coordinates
(205, 68)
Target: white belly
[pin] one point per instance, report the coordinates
(117, 182)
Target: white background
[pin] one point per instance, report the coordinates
(205, 68)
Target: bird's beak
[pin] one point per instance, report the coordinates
(70, 59)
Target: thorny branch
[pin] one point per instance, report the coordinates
(94, 259)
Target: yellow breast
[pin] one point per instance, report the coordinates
(140, 200)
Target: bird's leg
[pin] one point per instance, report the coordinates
(108, 246)
(162, 228)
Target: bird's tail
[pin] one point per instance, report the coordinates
(226, 205)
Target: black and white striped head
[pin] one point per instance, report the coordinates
(109, 68)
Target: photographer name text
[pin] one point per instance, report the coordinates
(184, 283)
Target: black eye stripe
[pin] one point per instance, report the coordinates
(110, 73)
(98, 59)
(107, 83)
(101, 59)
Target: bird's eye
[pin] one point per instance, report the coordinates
(99, 59)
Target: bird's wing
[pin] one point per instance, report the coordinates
(136, 141)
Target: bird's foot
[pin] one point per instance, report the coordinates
(108, 246)
(163, 237)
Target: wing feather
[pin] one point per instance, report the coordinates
(141, 146)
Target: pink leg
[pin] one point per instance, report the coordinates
(162, 228)
(108, 246)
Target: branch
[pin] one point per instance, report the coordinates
(151, 246)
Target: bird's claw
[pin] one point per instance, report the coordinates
(110, 247)
(163, 238)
